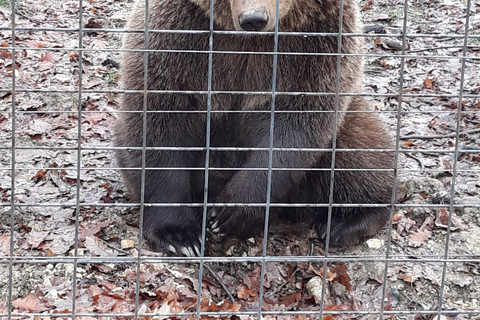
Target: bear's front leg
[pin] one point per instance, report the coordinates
(228, 225)
(250, 186)
(172, 229)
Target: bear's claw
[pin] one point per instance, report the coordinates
(175, 244)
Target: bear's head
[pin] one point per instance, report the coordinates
(260, 15)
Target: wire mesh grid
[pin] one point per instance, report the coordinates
(64, 158)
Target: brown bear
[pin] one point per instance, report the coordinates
(241, 85)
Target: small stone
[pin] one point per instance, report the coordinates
(52, 294)
(375, 243)
(80, 252)
(127, 244)
(314, 287)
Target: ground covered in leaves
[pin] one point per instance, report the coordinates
(414, 281)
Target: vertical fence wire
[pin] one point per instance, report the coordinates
(270, 160)
(207, 160)
(12, 159)
(79, 155)
(455, 159)
(393, 199)
(144, 158)
(332, 165)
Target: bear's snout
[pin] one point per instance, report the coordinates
(253, 20)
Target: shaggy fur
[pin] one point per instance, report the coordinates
(177, 229)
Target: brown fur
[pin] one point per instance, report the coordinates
(180, 227)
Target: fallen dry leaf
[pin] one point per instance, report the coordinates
(419, 237)
(30, 303)
(5, 244)
(98, 248)
(342, 276)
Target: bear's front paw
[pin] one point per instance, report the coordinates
(226, 226)
(341, 235)
(185, 242)
(213, 227)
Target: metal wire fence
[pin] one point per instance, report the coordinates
(13, 259)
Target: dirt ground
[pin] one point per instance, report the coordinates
(418, 282)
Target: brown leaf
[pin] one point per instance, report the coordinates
(442, 216)
(252, 279)
(36, 238)
(290, 301)
(330, 275)
(5, 244)
(404, 224)
(97, 247)
(92, 24)
(105, 303)
(419, 237)
(95, 290)
(40, 176)
(47, 56)
(339, 307)
(397, 216)
(108, 187)
(367, 5)
(342, 276)
(407, 277)
(224, 305)
(73, 56)
(243, 292)
(30, 303)
(428, 84)
(442, 220)
(92, 229)
(5, 54)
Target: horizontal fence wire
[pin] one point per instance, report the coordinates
(253, 313)
(231, 32)
(262, 53)
(253, 205)
(390, 95)
(439, 258)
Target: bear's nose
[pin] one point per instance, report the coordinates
(254, 20)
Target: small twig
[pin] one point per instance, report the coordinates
(113, 247)
(152, 253)
(440, 136)
(472, 121)
(461, 150)
(419, 160)
(443, 47)
(377, 28)
(217, 278)
(111, 179)
(282, 285)
(230, 297)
